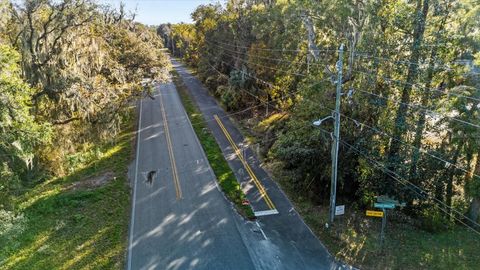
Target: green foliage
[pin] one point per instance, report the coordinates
(409, 67)
(262, 50)
(69, 73)
(477, 59)
(434, 221)
(80, 225)
(84, 62)
(81, 64)
(228, 97)
(21, 134)
(181, 40)
(472, 187)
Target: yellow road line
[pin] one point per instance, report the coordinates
(259, 185)
(170, 152)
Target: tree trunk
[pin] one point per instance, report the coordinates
(400, 121)
(439, 183)
(417, 144)
(473, 212)
(311, 36)
(451, 175)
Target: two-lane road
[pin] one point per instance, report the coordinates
(294, 244)
(180, 220)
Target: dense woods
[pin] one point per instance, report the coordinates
(410, 121)
(68, 71)
(71, 72)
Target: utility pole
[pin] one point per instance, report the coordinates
(336, 136)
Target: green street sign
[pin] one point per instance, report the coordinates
(385, 205)
(385, 199)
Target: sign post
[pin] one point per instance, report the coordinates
(384, 224)
(384, 203)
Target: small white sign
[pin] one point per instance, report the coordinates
(339, 210)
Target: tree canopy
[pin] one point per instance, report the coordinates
(410, 118)
(68, 72)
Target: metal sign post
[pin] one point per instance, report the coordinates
(384, 224)
(384, 203)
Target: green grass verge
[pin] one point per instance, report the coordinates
(71, 222)
(225, 176)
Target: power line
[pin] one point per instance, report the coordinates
(246, 54)
(260, 65)
(410, 185)
(357, 122)
(420, 107)
(266, 58)
(412, 105)
(278, 50)
(262, 81)
(254, 106)
(419, 86)
(420, 191)
(382, 132)
(379, 131)
(271, 68)
(248, 92)
(403, 62)
(415, 188)
(356, 53)
(359, 71)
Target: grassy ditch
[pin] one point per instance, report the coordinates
(78, 221)
(225, 176)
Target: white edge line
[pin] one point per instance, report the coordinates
(264, 236)
(132, 221)
(266, 213)
(275, 183)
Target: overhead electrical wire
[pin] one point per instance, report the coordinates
(279, 50)
(399, 82)
(411, 105)
(416, 189)
(422, 192)
(419, 86)
(401, 141)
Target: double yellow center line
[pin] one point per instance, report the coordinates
(259, 185)
(170, 151)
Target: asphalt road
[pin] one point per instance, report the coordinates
(181, 219)
(288, 242)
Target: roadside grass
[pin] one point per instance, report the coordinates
(355, 238)
(70, 223)
(225, 176)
